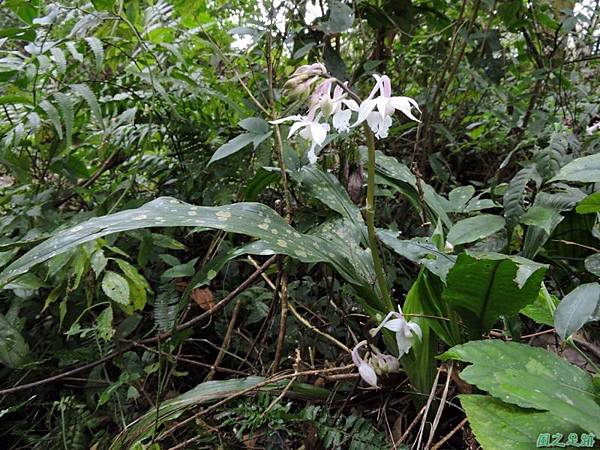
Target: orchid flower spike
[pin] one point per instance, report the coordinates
(375, 364)
(405, 331)
(381, 121)
(310, 129)
(303, 78)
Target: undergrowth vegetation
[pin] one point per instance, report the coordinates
(368, 224)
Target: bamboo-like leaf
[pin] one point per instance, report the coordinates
(394, 173)
(92, 101)
(232, 146)
(98, 50)
(475, 228)
(58, 56)
(66, 108)
(327, 189)
(53, 115)
(419, 252)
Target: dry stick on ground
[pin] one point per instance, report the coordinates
(438, 446)
(283, 299)
(261, 335)
(427, 406)
(411, 426)
(305, 322)
(438, 414)
(219, 306)
(226, 340)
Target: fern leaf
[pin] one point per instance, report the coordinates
(98, 50)
(166, 307)
(87, 94)
(58, 56)
(66, 108)
(53, 115)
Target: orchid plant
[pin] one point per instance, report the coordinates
(331, 100)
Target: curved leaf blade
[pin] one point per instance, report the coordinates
(577, 308)
(475, 228)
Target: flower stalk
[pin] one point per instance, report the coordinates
(370, 219)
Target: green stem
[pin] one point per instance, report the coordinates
(370, 218)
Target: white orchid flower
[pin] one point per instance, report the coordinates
(342, 110)
(337, 106)
(375, 364)
(380, 121)
(309, 128)
(406, 332)
(365, 370)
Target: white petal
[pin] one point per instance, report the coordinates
(405, 105)
(295, 127)
(350, 104)
(396, 325)
(386, 86)
(365, 109)
(376, 87)
(305, 133)
(368, 374)
(285, 119)
(356, 359)
(416, 329)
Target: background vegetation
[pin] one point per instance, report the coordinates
(176, 275)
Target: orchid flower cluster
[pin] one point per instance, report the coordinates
(376, 363)
(376, 110)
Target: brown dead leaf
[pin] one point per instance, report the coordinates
(204, 298)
